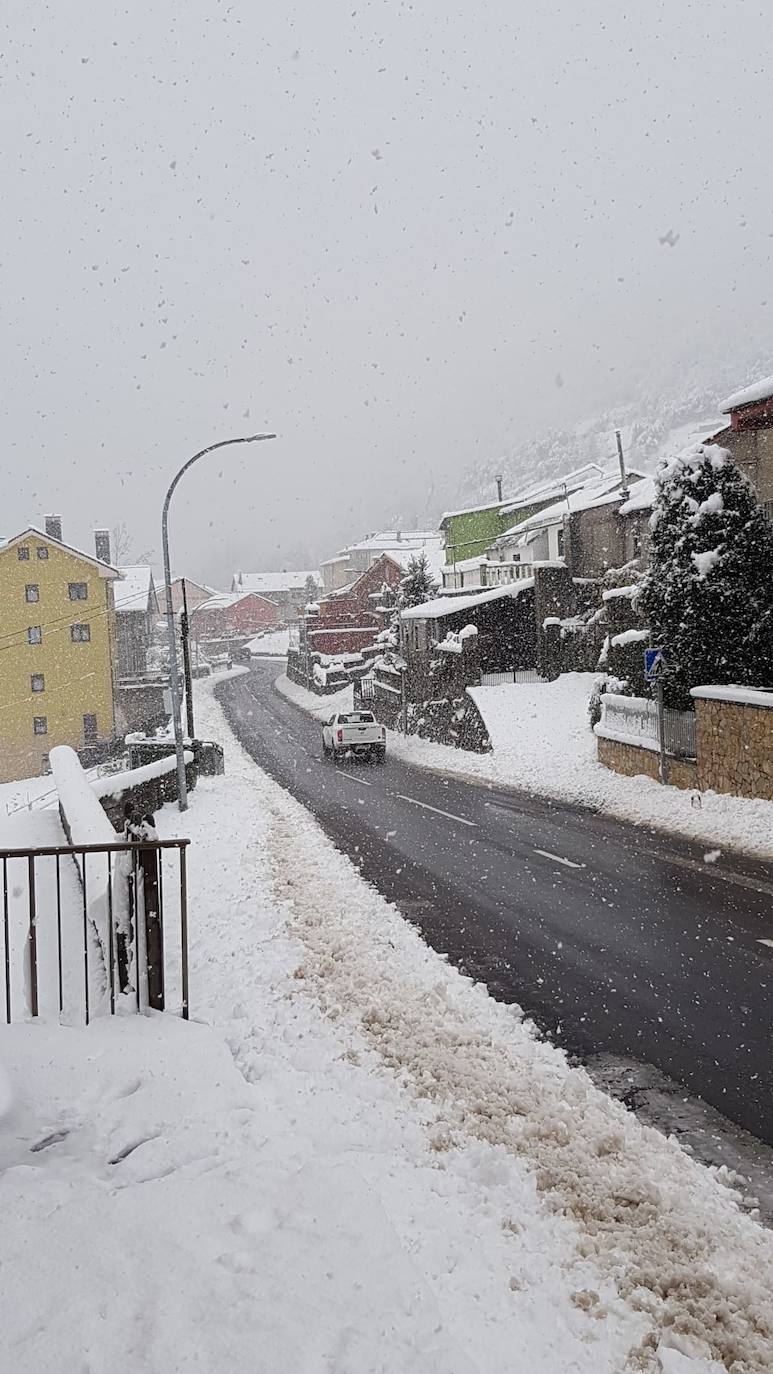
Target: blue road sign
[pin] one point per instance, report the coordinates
(655, 661)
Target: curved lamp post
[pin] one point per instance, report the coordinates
(173, 679)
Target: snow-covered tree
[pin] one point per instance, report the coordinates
(311, 589)
(708, 594)
(418, 585)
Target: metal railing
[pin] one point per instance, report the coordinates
(84, 924)
(636, 719)
(523, 675)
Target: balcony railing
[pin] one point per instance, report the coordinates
(86, 928)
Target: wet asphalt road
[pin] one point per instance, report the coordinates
(616, 939)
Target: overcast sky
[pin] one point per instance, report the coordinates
(383, 230)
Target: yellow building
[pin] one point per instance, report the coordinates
(57, 651)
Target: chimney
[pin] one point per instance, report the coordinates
(102, 545)
(498, 481)
(621, 460)
(54, 527)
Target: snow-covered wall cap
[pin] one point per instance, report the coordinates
(758, 391)
(740, 696)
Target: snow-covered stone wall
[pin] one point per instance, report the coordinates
(735, 741)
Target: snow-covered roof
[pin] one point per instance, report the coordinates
(266, 583)
(450, 605)
(758, 391)
(600, 489)
(401, 546)
(554, 487)
(642, 497)
(132, 593)
(472, 510)
(104, 569)
(221, 601)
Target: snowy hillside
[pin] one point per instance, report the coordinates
(659, 417)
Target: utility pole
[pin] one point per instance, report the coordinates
(185, 632)
(174, 685)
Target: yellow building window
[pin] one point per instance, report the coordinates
(40, 725)
(32, 591)
(80, 634)
(38, 682)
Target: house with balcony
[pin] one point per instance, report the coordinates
(59, 658)
(482, 544)
(583, 531)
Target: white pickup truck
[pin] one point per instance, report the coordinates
(354, 732)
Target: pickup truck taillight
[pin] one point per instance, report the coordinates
(340, 736)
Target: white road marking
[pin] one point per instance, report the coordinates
(349, 777)
(448, 814)
(557, 858)
(769, 943)
(711, 871)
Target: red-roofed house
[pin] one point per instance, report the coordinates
(232, 615)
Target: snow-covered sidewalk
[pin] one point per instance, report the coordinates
(542, 743)
(354, 1163)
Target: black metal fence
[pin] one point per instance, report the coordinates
(87, 925)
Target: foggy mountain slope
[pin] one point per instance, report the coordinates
(660, 416)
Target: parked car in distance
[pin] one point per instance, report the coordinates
(354, 732)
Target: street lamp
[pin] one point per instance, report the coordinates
(173, 681)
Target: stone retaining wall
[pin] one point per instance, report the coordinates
(633, 761)
(735, 747)
(734, 729)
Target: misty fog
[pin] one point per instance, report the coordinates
(404, 237)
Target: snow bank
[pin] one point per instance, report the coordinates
(113, 783)
(87, 822)
(273, 644)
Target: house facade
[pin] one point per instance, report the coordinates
(349, 620)
(481, 539)
(748, 437)
(235, 615)
(58, 658)
(344, 568)
(503, 618)
(136, 613)
(289, 591)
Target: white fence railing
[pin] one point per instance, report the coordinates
(634, 720)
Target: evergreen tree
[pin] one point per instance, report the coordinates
(418, 585)
(708, 594)
(311, 590)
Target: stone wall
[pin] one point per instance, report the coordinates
(634, 762)
(735, 747)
